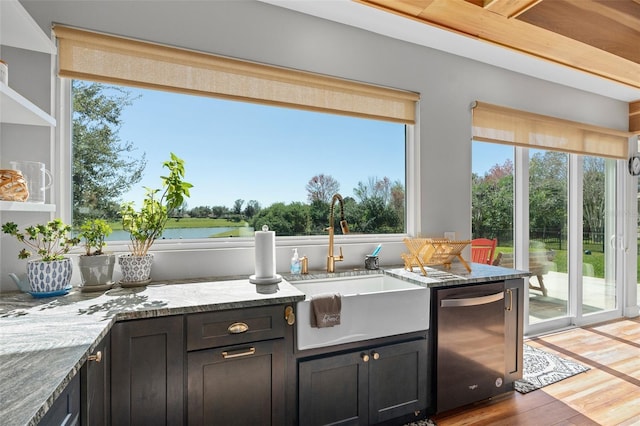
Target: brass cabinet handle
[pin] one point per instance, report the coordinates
(238, 328)
(376, 355)
(289, 315)
(365, 357)
(97, 357)
(510, 293)
(228, 355)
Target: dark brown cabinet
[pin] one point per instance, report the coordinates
(66, 408)
(364, 387)
(147, 372)
(239, 379)
(237, 385)
(95, 378)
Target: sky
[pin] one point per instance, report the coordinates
(486, 155)
(235, 150)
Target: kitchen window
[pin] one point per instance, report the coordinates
(262, 144)
(251, 164)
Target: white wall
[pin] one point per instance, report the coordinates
(264, 33)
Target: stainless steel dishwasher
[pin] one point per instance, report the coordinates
(469, 344)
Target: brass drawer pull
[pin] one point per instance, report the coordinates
(227, 355)
(238, 328)
(97, 357)
(289, 316)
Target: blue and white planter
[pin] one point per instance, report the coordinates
(51, 276)
(136, 270)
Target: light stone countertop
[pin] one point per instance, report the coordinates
(44, 342)
(457, 275)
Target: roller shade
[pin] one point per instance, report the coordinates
(492, 123)
(95, 56)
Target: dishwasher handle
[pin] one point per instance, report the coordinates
(472, 301)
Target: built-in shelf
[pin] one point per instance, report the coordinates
(15, 206)
(19, 29)
(16, 109)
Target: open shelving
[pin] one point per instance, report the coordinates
(16, 206)
(19, 30)
(16, 109)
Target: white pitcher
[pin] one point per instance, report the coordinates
(38, 178)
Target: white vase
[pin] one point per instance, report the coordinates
(136, 270)
(45, 277)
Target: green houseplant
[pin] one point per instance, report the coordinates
(146, 224)
(96, 267)
(51, 273)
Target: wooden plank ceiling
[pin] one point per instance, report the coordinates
(601, 37)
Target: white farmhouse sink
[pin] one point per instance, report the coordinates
(373, 306)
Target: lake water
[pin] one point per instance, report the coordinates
(183, 233)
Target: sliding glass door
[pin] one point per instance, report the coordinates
(561, 208)
(599, 219)
(548, 248)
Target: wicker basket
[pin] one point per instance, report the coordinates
(13, 187)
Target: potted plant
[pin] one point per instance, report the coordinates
(96, 267)
(51, 274)
(146, 225)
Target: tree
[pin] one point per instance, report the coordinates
(548, 191)
(237, 206)
(398, 202)
(292, 219)
(321, 187)
(252, 208)
(593, 194)
(200, 211)
(374, 188)
(492, 201)
(219, 211)
(104, 167)
(381, 206)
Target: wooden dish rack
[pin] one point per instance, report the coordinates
(431, 252)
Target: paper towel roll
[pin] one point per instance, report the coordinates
(265, 255)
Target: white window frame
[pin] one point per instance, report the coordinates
(314, 246)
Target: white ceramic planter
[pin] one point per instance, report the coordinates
(45, 277)
(136, 270)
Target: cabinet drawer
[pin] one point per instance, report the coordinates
(224, 328)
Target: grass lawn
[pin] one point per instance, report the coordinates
(194, 222)
(595, 258)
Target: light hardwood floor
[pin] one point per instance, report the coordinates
(608, 394)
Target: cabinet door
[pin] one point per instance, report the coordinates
(65, 410)
(96, 382)
(334, 390)
(147, 372)
(397, 380)
(237, 385)
(514, 317)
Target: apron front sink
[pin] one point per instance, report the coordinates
(373, 306)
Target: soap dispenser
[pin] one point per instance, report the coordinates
(295, 263)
